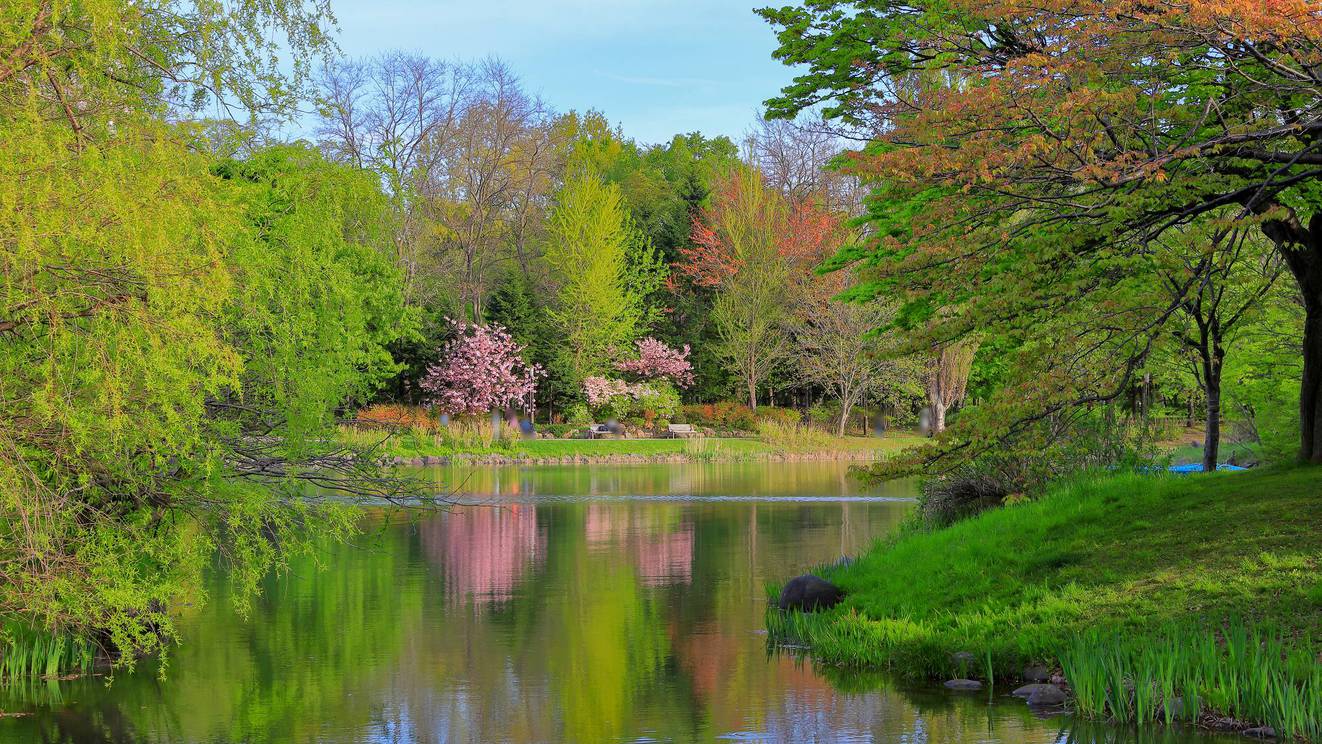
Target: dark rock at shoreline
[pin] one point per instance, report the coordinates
(1047, 696)
(1261, 732)
(963, 684)
(1027, 691)
(808, 593)
(1037, 673)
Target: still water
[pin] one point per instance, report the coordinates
(554, 604)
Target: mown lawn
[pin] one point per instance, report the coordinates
(407, 444)
(703, 446)
(1131, 552)
(602, 447)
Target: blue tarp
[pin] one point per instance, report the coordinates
(1197, 467)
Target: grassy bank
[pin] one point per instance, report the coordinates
(1133, 555)
(409, 444)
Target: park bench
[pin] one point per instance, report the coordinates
(682, 430)
(596, 431)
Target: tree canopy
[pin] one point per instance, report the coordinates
(1024, 157)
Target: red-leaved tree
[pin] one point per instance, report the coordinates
(799, 231)
(480, 369)
(756, 247)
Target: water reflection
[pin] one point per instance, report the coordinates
(483, 553)
(539, 618)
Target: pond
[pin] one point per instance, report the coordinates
(555, 604)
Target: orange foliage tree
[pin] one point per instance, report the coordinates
(1027, 155)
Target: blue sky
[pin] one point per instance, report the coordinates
(655, 67)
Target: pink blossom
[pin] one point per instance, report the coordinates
(655, 359)
(599, 390)
(480, 369)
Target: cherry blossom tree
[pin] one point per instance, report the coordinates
(600, 390)
(655, 360)
(481, 369)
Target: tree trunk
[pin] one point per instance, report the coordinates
(1301, 247)
(752, 395)
(1310, 393)
(938, 417)
(1212, 440)
(844, 417)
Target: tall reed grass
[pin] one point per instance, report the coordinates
(467, 435)
(1249, 673)
(794, 436)
(33, 652)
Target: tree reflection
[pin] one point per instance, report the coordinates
(541, 620)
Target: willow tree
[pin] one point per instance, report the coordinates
(1036, 151)
(946, 379)
(175, 333)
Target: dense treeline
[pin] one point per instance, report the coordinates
(190, 303)
(579, 242)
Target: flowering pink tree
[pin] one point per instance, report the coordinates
(655, 359)
(481, 369)
(600, 390)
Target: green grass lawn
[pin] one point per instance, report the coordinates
(1133, 553)
(711, 446)
(407, 444)
(602, 447)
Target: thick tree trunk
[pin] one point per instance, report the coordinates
(752, 395)
(1310, 393)
(844, 417)
(1301, 247)
(938, 418)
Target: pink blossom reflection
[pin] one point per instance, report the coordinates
(662, 553)
(484, 550)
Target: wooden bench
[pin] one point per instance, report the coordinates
(682, 430)
(597, 431)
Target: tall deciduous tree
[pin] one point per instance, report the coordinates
(1230, 277)
(753, 246)
(395, 115)
(838, 350)
(487, 181)
(1057, 141)
(588, 235)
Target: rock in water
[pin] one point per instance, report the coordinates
(1027, 691)
(808, 593)
(963, 684)
(1261, 732)
(1047, 696)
